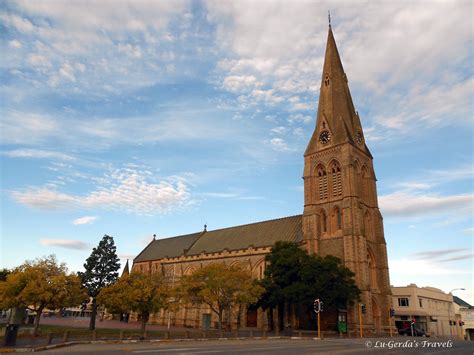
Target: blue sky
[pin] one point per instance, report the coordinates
(135, 118)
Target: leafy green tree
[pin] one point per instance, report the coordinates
(294, 277)
(101, 270)
(138, 292)
(221, 287)
(40, 284)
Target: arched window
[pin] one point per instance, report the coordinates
(322, 221)
(336, 179)
(322, 182)
(365, 183)
(336, 219)
(368, 224)
(357, 178)
(372, 269)
(339, 219)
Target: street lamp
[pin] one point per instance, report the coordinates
(449, 309)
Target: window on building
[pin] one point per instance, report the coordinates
(336, 179)
(403, 302)
(421, 302)
(322, 182)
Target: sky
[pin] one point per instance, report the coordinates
(134, 118)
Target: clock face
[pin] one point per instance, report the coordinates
(324, 137)
(358, 138)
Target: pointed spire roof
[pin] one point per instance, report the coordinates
(126, 270)
(336, 113)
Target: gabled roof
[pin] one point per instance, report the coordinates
(461, 302)
(168, 247)
(260, 234)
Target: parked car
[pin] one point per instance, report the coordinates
(416, 332)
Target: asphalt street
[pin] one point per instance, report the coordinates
(280, 347)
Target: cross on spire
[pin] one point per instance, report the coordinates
(329, 18)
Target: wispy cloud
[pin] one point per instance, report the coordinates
(123, 190)
(84, 220)
(37, 154)
(436, 253)
(458, 257)
(65, 243)
(403, 204)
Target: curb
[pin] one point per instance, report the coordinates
(79, 342)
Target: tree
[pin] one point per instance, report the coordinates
(221, 287)
(294, 277)
(40, 284)
(101, 270)
(138, 292)
(3, 274)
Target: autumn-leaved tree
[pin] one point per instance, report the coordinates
(221, 287)
(101, 270)
(40, 284)
(138, 292)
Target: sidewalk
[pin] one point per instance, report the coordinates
(83, 322)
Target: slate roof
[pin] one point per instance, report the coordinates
(461, 302)
(168, 247)
(260, 234)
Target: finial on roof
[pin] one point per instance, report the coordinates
(329, 18)
(205, 227)
(154, 236)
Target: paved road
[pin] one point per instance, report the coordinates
(279, 347)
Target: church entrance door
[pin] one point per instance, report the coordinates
(252, 316)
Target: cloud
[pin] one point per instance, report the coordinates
(285, 53)
(459, 257)
(123, 190)
(84, 220)
(436, 253)
(279, 145)
(15, 44)
(65, 243)
(409, 267)
(279, 130)
(37, 154)
(127, 256)
(27, 128)
(404, 204)
(33, 128)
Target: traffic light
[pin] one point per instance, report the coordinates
(392, 312)
(317, 305)
(363, 308)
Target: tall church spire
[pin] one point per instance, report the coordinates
(337, 121)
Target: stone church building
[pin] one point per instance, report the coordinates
(340, 217)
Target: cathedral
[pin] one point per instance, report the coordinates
(341, 217)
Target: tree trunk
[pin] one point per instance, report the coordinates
(220, 319)
(93, 314)
(37, 320)
(143, 323)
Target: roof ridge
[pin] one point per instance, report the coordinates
(248, 224)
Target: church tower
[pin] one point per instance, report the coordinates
(341, 214)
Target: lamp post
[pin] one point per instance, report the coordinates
(449, 309)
